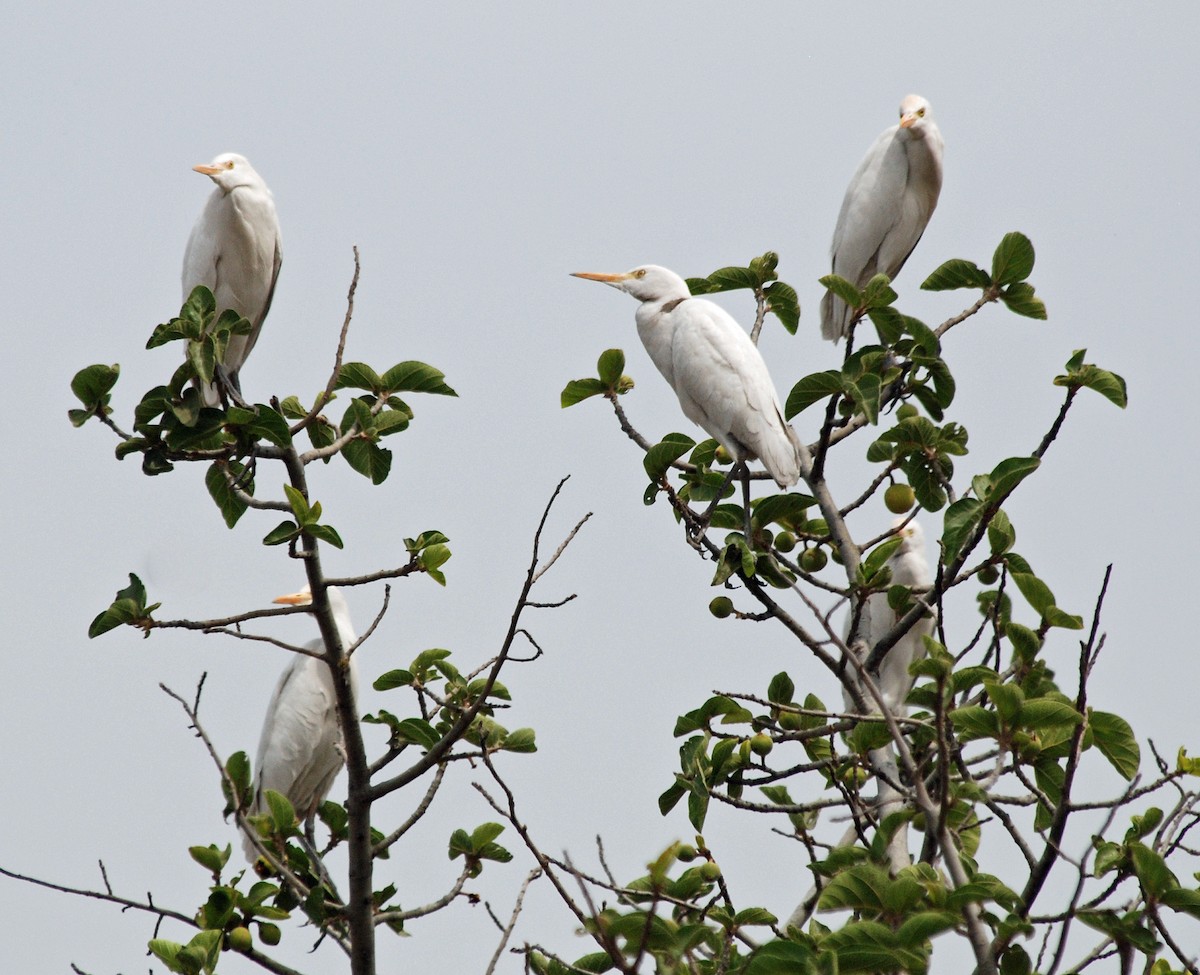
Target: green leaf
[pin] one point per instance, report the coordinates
(1009, 473)
(393, 679)
(781, 690)
(610, 366)
(368, 459)
(843, 289)
(325, 533)
(285, 531)
(92, 384)
(283, 816)
(956, 273)
(783, 958)
(521, 740)
(1042, 713)
(417, 731)
(577, 390)
(129, 606)
(961, 520)
(974, 722)
(659, 458)
(1184, 901)
(1107, 384)
(878, 292)
(358, 375)
(1115, 739)
(1151, 870)
(1036, 592)
(1013, 260)
(811, 389)
(1020, 299)
(784, 304)
(416, 377)
(1001, 534)
(232, 507)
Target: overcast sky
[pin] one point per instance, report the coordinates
(477, 154)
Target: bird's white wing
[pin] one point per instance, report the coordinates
(724, 386)
(299, 751)
(872, 211)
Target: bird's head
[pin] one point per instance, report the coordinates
(646, 283)
(304, 598)
(916, 116)
(912, 538)
(229, 171)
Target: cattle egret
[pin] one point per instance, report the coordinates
(886, 207)
(234, 251)
(716, 371)
(300, 751)
(909, 568)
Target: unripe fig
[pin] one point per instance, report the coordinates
(988, 575)
(785, 542)
(906, 411)
(686, 853)
(790, 721)
(899, 498)
(709, 870)
(813, 559)
(269, 933)
(240, 939)
(722, 456)
(721, 607)
(761, 744)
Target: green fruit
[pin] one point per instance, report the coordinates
(785, 542)
(836, 553)
(686, 853)
(899, 498)
(813, 559)
(269, 933)
(709, 870)
(988, 575)
(240, 938)
(721, 607)
(790, 721)
(845, 407)
(906, 411)
(722, 456)
(761, 744)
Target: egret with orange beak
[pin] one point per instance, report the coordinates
(234, 250)
(886, 207)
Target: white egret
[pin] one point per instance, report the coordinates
(300, 751)
(909, 567)
(886, 208)
(716, 371)
(234, 250)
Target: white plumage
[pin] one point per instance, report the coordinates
(300, 751)
(909, 567)
(235, 251)
(886, 207)
(716, 371)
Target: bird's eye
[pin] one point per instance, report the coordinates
(229, 164)
(920, 113)
(640, 272)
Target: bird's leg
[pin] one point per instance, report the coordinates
(229, 386)
(309, 841)
(695, 532)
(746, 500)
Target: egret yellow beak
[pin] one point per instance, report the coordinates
(207, 170)
(302, 598)
(606, 278)
(908, 120)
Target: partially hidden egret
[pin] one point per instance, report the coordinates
(300, 751)
(715, 369)
(886, 208)
(909, 567)
(234, 250)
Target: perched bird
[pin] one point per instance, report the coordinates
(909, 568)
(234, 250)
(886, 207)
(300, 751)
(716, 371)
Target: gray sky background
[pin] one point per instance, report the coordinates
(477, 154)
